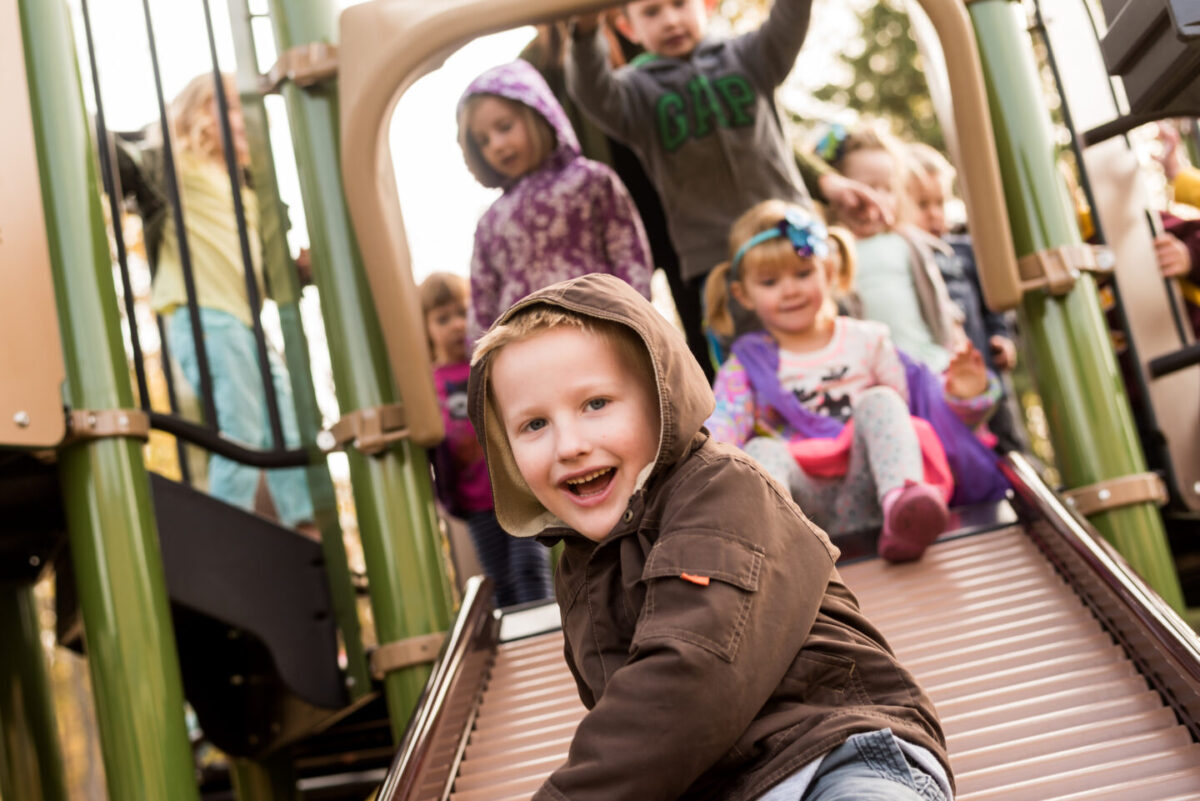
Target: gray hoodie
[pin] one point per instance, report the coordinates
(705, 127)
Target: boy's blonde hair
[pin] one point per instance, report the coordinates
(541, 134)
(539, 319)
(773, 255)
(193, 117)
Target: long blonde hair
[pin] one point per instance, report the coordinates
(193, 119)
(773, 255)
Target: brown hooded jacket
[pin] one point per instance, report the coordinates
(700, 692)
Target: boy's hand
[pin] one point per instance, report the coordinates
(966, 376)
(855, 203)
(1004, 352)
(1174, 258)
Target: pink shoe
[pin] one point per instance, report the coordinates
(913, 517)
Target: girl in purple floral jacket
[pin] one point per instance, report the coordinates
(561, 215)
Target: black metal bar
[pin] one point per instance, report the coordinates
(112, 186)
(185, 471)
(252, 294)
(213, 441)
(185, 258)
(1174, 361)
(1159, 642)
(1126, 123)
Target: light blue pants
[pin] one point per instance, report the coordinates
(867, 767)
(242, 410)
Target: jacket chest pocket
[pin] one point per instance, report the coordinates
(700, 589)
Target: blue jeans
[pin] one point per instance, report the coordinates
(242, 410)
(519, 567)
(867, 767)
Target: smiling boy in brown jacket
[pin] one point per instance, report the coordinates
(710, 636)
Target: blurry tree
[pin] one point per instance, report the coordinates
(886, 77)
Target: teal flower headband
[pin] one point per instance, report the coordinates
(832, 146)
(806, 233)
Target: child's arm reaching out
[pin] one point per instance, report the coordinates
(971, 391)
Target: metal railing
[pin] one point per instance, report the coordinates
(206, 434)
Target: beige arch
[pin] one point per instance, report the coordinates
(386, 45)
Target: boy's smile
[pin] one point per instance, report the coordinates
(582, 422)
(670, 28)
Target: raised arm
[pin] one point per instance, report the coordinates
(769, 53)
(604, 96)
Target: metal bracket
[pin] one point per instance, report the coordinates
(369, 430)
(1056, 270)
(86, 424)
(419, 650)
(1114, 493)
(303, 65)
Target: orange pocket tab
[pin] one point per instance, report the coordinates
(701, 580)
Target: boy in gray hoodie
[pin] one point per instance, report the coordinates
(700, 113)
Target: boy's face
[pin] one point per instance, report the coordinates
(670, 28)
(582, 423)
(447, 327)
(928, 202)
(502, 137)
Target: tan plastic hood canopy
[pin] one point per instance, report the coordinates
(387, 45)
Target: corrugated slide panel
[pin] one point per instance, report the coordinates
(1037, 701)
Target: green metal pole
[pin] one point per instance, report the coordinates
(410, 594)
(31, 766)
(1091, 426)
(114, 543)
(271, 780)
(285, 291)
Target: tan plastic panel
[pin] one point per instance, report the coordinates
(951, 58)
(31, 362)
(1122, 201)
(386, 45)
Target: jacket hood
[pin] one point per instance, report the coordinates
(517, 81)
(685, 399)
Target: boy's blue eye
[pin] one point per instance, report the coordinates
(596, 404)
(536, 424)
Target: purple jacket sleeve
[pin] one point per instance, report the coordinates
(626, 247)
(484, 291)
(732, 420)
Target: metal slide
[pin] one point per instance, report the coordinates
(1056, 672)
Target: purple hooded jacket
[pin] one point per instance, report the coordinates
(569, 217)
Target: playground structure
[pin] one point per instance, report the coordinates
(172, 588)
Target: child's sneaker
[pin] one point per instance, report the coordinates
(913, 517)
